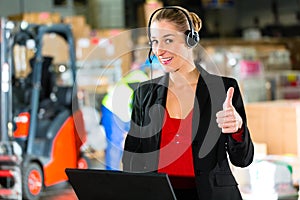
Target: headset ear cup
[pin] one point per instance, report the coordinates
(189, 39)
(196, 37)
(192, 39)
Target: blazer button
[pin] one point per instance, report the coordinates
(199, 172)
(195, 143)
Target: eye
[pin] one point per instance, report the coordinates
(154, 42)
(168, 41)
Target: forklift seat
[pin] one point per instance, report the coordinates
(52, 109)
(64, 96)
(61, 100)
(47, 76)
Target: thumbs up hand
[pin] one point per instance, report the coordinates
(229, 119)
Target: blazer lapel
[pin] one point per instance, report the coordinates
(157, 108)
(161, 92)
(202, 94)
(200, 103)
(210, 95)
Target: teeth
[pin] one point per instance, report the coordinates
(165, 59)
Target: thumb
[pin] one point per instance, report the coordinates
(228, 101)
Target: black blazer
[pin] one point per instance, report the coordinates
(210, 147)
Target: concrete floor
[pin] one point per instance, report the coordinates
(64, 191)
(67, 193)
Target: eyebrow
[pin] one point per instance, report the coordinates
(167, 35)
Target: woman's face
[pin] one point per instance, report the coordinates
(168, 44)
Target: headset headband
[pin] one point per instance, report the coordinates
(171, 7)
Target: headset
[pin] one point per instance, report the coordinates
(192, 36)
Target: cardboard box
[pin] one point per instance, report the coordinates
(276, 123)
(106, 45)
(56, 47)
(77, 20)
(79, 26)
(37, 17)
(145, 11)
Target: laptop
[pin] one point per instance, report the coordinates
(97, 184)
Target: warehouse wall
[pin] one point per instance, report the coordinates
(110, 13)
(106, 13)
(12, 7)
(221, 22)
(249, 9)
(225, 21)
(9, 7)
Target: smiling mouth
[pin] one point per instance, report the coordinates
(165, 61)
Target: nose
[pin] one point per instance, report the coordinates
(159, 49)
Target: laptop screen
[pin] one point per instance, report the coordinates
(97, 184)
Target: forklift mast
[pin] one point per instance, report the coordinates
(5, 79)
(65, 32)
(10, 151)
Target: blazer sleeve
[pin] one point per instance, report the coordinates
(240, 153)
(132, 141)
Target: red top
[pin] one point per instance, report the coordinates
(238, 136)
(175, 157)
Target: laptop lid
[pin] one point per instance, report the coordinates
(97, 184)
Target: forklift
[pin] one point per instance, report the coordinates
(42, 127)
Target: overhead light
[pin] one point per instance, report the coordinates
(232, 62)
(62, 68)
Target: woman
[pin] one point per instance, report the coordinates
(184, 123)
